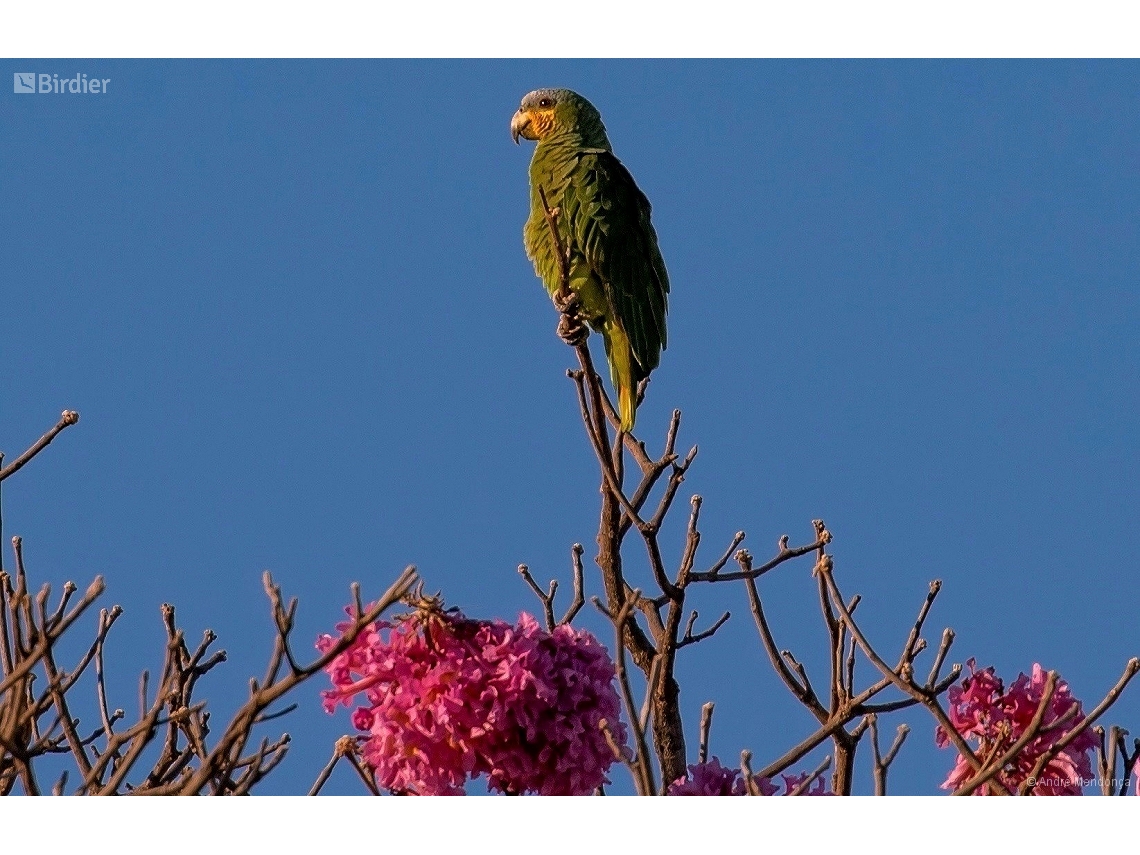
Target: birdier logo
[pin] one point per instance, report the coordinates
(29, 82)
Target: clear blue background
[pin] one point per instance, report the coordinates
(290, 302)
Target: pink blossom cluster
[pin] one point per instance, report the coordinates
(712, 779)
(982, 710)
(446, 698)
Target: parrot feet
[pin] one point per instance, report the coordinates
(571, 329)
(566, 304)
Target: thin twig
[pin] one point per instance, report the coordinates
(66, 420)
(747, 571)
(690, 638)
(750, 785)
(579, 589)
(344, 746)
(706, 726)
(883, 762)
(547, 599)
(803, 785)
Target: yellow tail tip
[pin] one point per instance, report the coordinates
(627, 408)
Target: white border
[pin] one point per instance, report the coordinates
(562, 825)
(583, 28)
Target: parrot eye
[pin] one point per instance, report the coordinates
(545, 102)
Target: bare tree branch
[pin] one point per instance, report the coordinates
(66, 420)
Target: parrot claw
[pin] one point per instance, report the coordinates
(566, 305)
(571, 329)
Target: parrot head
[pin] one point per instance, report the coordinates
(554, 113)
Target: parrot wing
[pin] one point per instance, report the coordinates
(609, 216)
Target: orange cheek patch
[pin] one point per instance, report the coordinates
(542, 122)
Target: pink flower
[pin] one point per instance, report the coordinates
(995, 719)
(707, 779)
(446, 699)
(712, 779)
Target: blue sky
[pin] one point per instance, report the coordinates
(289, 300)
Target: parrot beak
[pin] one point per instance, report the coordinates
(520, 125)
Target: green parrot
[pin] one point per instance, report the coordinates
(616, 269)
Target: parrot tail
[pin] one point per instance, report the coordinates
(619, 352)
